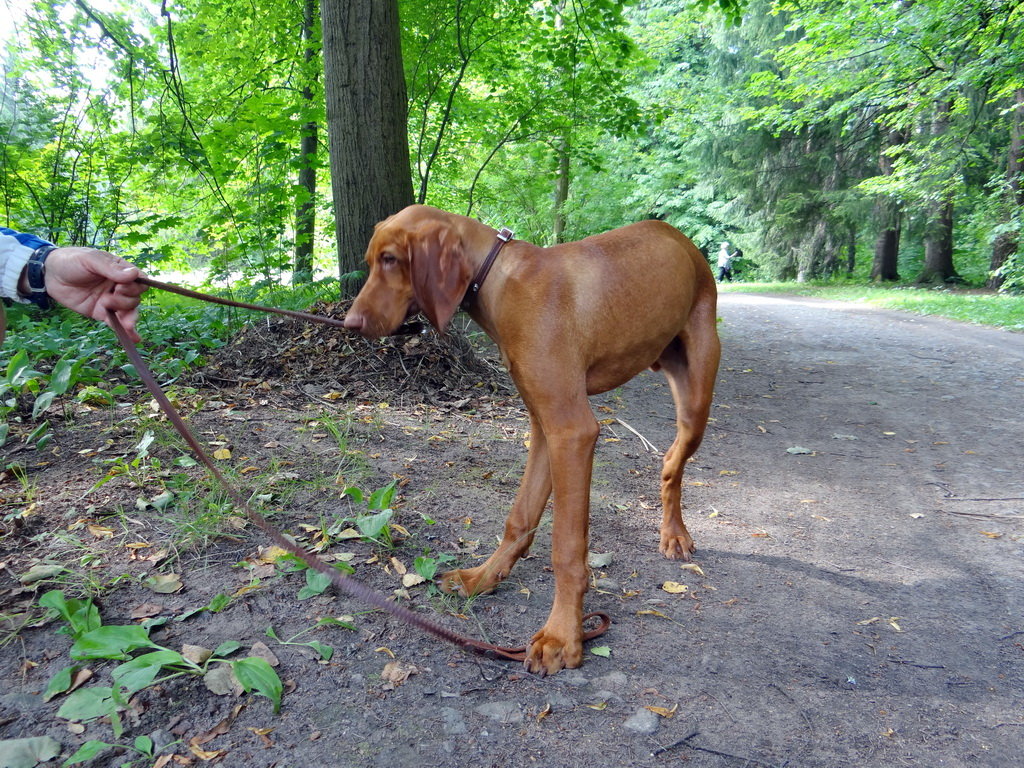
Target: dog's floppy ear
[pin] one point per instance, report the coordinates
(439, 272)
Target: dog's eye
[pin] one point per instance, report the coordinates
(388, 259)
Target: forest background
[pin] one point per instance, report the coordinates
(825, 139)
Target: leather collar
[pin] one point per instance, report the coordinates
(504, 235)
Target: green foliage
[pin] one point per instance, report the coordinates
(94, 641)
(375, 526)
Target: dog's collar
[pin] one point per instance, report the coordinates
(504, 235)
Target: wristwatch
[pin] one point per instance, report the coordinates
(36, 276)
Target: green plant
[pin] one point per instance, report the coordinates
(375, 526)
(325, 651)
(143, 746)
(93, 641)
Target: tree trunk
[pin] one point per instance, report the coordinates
(851, 248)
(561, 191)
(887, 247)
(938, 238)
(885, 265)
(938, 248)
(305, 213)
(367, 120)
(1006, 243)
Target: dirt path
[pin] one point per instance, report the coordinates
(858, 506)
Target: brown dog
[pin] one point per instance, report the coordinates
(572, 320)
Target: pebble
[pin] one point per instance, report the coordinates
(505, 712)
(614, 681)
(452, 721)
(642, 721)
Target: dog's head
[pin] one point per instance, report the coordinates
(416, 263)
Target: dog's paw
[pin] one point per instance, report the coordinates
(467, 582)
(551, 651)
(677, 546)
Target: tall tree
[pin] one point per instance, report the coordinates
(364, 87)
(305, 214)
(1007, 242)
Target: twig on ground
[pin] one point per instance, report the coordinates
(684, 742)
(894, 660)
(647, 444)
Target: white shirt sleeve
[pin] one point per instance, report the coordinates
(15, 250)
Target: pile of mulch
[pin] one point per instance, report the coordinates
(419, 364)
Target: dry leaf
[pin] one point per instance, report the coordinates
(146, 610)
(222, 454)
(693, 568)
(992, 534)
(221, 681)
(664, 711)
(399, 566)
(271, 554)
(260, 650)
(100, 532)
(652, 612)
(412, 579)
(397, 672)
(165, 583)
(196, 653)
(674, 587)
(205, 755)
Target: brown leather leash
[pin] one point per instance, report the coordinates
(354, 588)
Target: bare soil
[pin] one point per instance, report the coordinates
(857, 505)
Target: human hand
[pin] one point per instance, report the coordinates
(93, 282)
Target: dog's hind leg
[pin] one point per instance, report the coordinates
(690, 364)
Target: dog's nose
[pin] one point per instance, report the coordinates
(355, 322)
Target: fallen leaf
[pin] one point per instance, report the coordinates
(100, 532)
(165, 583)
(664, 711)
(222, 454)
(652, 612)
(221, 681)
(146, 610)
(674, 587)
(271, 554)
(40, 571)
(412, 579)
(992, 534)
(399, 566)
(205, 755)
(693, 568)
(196, 653)
(397, 672)
(260, 650)
(603, 651)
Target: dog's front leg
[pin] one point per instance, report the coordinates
(520, 526)
(572, 436)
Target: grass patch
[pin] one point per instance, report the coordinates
(979, 307)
